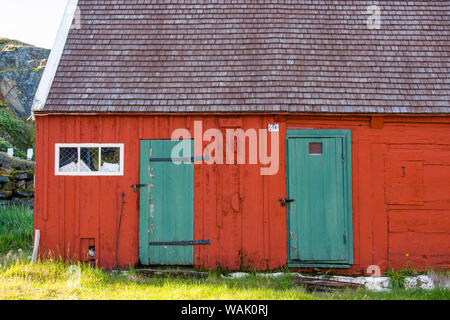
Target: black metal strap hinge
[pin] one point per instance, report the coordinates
(191, 159)
(180, 243)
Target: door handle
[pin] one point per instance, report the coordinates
(284, 201)
(135, 186)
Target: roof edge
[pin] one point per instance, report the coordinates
(55, 56)
(239, 113)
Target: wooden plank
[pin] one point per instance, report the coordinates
(230, 232)
(404, 177)
(253, 231)
(69, 195)
(430, 221)
(400, 193)
(314, 284)
(128, 134)
(110, 201)
(199, 217)
(172, 273)
(436, 157)
(379, 210)
(78, 199)
(266, 186)
(50, 233)
(404, 155)
(38, 221)
(437, 184)
(277, 224)
(402, 171)
(420, 243)
(210, 189)
(296, 179)
(89, 191)
(144, 203)
(228, 122)
(364, 201)
(49, 150)
(420, 262)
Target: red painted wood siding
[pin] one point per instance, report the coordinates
(389, 229)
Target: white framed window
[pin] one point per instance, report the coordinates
(89, 159)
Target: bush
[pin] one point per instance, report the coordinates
(17, 132)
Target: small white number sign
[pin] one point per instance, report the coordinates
(274, 127)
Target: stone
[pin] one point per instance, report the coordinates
(4, 179)
(9, 186)
(6, 171)
(420, 282)
(4, 194)
(21, 176)
(21, 184)
(23, 193)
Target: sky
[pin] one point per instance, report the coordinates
(32, 21)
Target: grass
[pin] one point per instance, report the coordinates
(54, 279)
(398, 277)
(58, 280)
(11, 45)
(16, 228)
(395, 294)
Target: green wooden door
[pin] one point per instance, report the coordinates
(166, 205)
(319, 218)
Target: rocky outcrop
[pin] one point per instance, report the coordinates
(21, 68)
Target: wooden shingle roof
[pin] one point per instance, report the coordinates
(255, 56)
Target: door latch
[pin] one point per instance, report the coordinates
(284, 201)
(136, 186)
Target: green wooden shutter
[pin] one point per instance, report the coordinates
(166, 205)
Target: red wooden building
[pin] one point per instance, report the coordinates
(356, 100)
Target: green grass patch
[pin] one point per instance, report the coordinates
(438, 293)
(54, 279)
(11, 45)
(58, 280)
(16, 228)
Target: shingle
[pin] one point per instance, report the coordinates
(232, 56)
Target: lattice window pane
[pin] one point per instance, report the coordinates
(68, 159)
(110, 161)
(89, 159)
